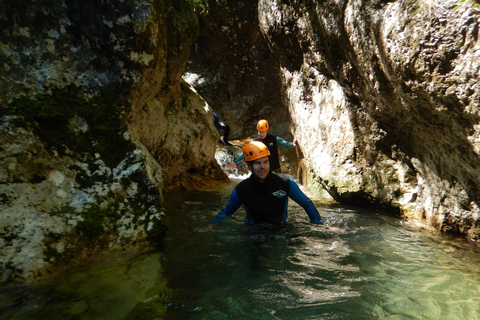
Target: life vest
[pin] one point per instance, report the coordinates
(271, 142)
(265, 202)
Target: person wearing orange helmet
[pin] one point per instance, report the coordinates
(272, 142)
(264, 194)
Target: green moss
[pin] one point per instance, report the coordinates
(414, 6)
(199, 6)
(474, 3)
(316, 187)
(138, 213)
(93, 219)
(155, 228)
(51, 115)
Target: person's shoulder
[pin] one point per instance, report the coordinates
(245, 181)
(243, 187)
(280, 176)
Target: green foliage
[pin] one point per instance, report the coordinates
(199, 6)
(51, 115)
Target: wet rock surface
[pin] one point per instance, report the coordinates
(384, 101)
(382, 97)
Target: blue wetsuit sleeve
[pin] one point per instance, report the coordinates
(299, 197)
(284, 143)
(239, 159)
(216, 121)
(233, 204)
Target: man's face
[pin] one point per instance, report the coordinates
(260, 168)
(262, 134)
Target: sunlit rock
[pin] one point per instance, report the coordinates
(383, 98)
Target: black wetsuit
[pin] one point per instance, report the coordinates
(271, 142)
(267, 202)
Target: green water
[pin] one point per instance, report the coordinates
(361, 265)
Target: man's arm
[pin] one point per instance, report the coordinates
(216, 121)
(232, 206)
(235, 162)
(285, 143)
(299, 197)
(239, 159)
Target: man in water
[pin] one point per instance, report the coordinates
(271, 142)
(265, 194)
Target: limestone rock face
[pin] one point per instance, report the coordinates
(233, 69)
(61, 208)
(181, 135)
(384, 99)
(96, 124)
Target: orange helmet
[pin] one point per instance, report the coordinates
(262, 125)
(255, 150)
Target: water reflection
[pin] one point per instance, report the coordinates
(109, 287)
(361, 265)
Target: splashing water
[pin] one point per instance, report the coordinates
(225, 157)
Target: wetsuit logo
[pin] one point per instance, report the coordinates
(279, 194)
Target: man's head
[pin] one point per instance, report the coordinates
(262, 128)
(256, 155)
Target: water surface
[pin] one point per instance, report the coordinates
(361, 265)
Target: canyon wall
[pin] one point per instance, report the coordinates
(232, 68)
(384, 97)
(96, 124)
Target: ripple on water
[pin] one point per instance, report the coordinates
(360, 265)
